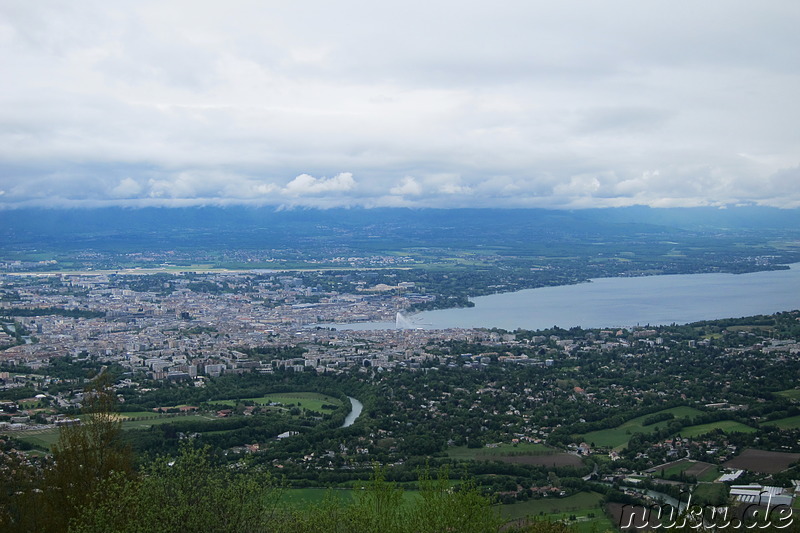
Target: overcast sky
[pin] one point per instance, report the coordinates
(412, 103)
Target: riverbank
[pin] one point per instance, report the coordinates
(354, 413)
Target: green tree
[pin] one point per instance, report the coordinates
(46, 497)
(185, 494)
(85, 455)
(442, 508)
(380, 506)
(20, 482)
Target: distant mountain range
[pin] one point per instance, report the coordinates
(374, 229)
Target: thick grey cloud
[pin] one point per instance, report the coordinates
(443, 103)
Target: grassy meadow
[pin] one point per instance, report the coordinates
(580, 505)
(619, 436)
(306, 400)
(792, 422)
(791, 394)
(726, 426)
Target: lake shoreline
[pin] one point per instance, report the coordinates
(623, 301)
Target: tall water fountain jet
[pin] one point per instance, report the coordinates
(401, 322)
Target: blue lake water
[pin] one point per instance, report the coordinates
(616, 302)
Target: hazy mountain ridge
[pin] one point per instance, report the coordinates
(366, 228)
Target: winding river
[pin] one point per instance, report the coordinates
(354, 413)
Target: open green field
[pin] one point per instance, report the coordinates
(704, 472)
(580, 505)
(727, 426)
(486, 454)
(619, 436)
(300, 498)
(40, 438)
(793, 422)
(709, 475)
(710, 493)
(139, 424)
(45, 438)
(792, 394)
(31, 404)
(674, 469)
(307, 400)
